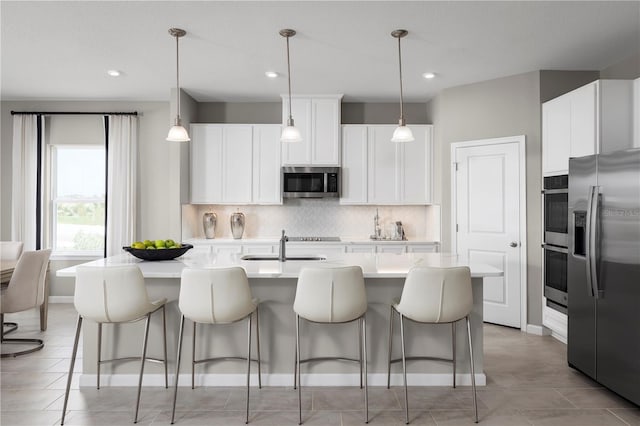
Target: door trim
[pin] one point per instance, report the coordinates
(521, 141)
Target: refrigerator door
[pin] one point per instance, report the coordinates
(581, 339)
(618, 324)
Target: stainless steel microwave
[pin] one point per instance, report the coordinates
(310, 182)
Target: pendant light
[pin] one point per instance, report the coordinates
(290, 133)
(402, 132)
(178, 133)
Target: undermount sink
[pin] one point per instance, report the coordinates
(288, 258)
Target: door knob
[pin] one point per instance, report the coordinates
(513, 244)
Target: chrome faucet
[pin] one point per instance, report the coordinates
(282, 254)
(377, 231)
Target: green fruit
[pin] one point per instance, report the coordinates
(148, 243)
(160, 244)
(169, 243)
(138, 245)
(178, 245)
(151, 248)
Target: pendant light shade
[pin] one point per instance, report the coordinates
(177, 133)
(290, 133)
(402, 132)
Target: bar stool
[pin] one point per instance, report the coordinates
(112, 295)
(332, 296)
(10, 250)
(216, 296)
(434, 296)
(25, 291)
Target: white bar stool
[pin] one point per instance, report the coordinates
(216, 296)
(332, 296)
(10, 250)
(111, 295)
(434, 296)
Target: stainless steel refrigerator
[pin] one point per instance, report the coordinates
(603, 270)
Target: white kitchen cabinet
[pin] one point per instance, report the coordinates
(259, 248)
(377, 171)
(361, 248)
(235, 164)
(354, 165)
(266, 164)
(318, 119)
(594, 118)
(314, 249)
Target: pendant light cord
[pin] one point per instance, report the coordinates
(289, 78)
(178, 77)
(400, 66)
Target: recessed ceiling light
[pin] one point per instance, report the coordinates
(114, 73)
(428, 75)
(271, 74)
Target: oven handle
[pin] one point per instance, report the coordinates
(555, 248)
(555, 191)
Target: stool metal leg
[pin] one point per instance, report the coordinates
(193, 359)
(453, 350)
(473, 375)
(178, 356)
(99, 355)
(298, 369)
(164, 329)
(71, 366)
(258, 347)
(390, 346)
(144, 356)
(404, 371)
(359, 323)
(248, 365)
(366, 388)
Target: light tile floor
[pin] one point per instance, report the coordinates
(528, 383)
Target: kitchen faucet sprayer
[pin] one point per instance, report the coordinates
(282, 255)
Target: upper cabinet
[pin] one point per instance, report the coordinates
(378, 171)
(592, 119)
(318, 119)
(235, 164)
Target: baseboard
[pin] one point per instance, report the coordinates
(213, 380)
(60, 299)
(556, 322)
(538, 330)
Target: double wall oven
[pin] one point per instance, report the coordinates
(556, 240)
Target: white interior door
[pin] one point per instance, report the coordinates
(487, 185)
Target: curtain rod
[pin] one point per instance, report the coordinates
(70, 113)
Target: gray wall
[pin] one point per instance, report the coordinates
(503, 107)
(556, 83)
(156, 170)
(627, 69)
(382, 113)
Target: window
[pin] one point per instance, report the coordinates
(77, 201)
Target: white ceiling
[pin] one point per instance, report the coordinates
(62, 50)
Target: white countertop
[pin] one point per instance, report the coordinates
(276, 240)
(379, 265)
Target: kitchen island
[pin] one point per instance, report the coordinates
(274, 283)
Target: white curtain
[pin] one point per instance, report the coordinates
(24, 180)
(121, 182)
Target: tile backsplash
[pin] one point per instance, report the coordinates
(314, 217)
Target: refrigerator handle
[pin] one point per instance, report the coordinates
(593, 240)
(587, 237)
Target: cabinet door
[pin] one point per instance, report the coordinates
(314, 249)
(422, 248)
(206, 163)
(325, 132)
(266, 164)
(354, 165)
(258, 248)
(383, 166)
(298, 153)
(237, 164)
(584, 130)
(415, 170)
(556, 136)
(391, 248)
(361, 248)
